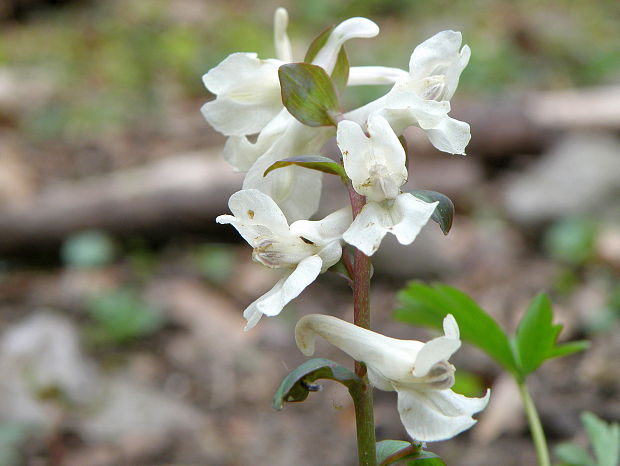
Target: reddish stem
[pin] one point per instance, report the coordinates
(364, 415)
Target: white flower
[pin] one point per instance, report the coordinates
(422, 97)
(248, 101)
(376, 167)
(418, 372)
(247, 88)
(305, 248)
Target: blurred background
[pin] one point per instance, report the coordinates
(121, 336)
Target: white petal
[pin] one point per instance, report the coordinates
(323, 231)
(284, 50)
(435, 52)
(304, 274)
(296, 190)
(404, 218)
(234, 118)
(454, 72)
(370, 75)
(387, 149)
(350, 29)
(256, 207)
(254, 213)
(438, 349)
(248, 94)
(409, 215)
(326, 234)
(241, 153)
(354, 146)
(431, 415)
(434, 351)
(375, 164)
(367, 229)
(330, 254)
(403, 109)
(450, 136)
(252, 314)
(388, 358)
(450, 327)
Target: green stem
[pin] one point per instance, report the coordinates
(536, 429)
(362, 398)
(364, 423)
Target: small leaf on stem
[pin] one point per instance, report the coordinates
(387, 448)
(313, 162)
(308, 93)
(299, 382)
(395, 451)
(444, 212)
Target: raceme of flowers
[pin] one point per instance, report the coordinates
(272, 212)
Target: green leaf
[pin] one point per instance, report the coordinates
(444, 212)
(564, 349)
(573, 455)
(395, 451)
(536, 335)
(340, 74)
(428, 305)
(309, 94)
(605, 439)
(313, 162)
(387, 448)
(426, 458)
(299, 383)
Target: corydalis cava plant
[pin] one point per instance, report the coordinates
(268, 136)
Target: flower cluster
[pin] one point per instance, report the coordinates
(273, 210)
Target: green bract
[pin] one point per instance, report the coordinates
(444, 212)
(394, 451)
(313, 162)
(299, 382)
(308, 93)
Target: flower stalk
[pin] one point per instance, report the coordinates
(542, 451)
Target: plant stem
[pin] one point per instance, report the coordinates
(536, 429)
(364, 424)
(362, 398)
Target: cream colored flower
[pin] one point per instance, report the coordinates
(419, 372)
(376, 166)
(304, 249)
(422, 97)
